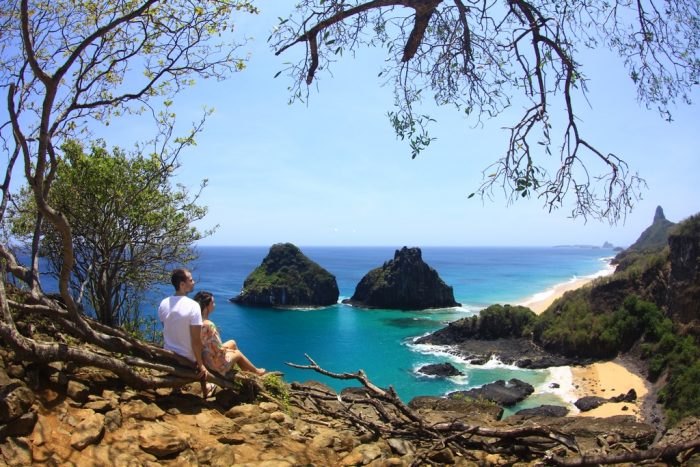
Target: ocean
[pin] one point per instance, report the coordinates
(342, 338)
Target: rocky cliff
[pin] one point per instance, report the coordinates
(287, 278)
(404, 283)
(653, 238)
(684, 276)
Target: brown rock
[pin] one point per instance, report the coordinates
(362, 454)
(443, 456)
(232, 438)
(243, 410)
(15, 400)
(101, 405)
(186, 458)
(217, 456)
(21, 426)
(282, 418)
(113, 420)
(323, 439)
(139, 410)
(77, 391)
(268, 407)
(401, 447)
(162, 440)
(246, 453)
(108, 456)
(222, 427)
(89, 431)
(16, 452)
(354, 458)
(40, 433)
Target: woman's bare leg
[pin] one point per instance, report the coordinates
(230, 345)
(245, 364)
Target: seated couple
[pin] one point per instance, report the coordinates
(188, 331)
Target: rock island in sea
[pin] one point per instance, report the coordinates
(287, 278)
(404, 283)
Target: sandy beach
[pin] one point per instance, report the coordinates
(541, 302)
(608, 379)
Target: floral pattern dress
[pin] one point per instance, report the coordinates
(215, 356)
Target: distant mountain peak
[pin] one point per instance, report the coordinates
(659, 214)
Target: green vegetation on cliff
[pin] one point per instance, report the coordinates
(499, 321)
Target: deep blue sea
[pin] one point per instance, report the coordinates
(345, 339)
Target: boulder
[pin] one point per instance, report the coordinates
(404, 283)
(139, 410)
(20, 426)
(442, 370)
(500, 392)
(287, 278)
(587, 403)
(89, 431)
(442, 409)
(162, 440)
(15, 400)
(543, 411)
(631, 396)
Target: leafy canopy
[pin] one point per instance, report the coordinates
(129, 226)
(486, 57)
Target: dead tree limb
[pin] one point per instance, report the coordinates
(658, 452)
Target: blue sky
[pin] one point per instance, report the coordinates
(332, 172)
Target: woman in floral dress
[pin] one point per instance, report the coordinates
(219, 357)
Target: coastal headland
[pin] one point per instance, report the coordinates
(601, 379)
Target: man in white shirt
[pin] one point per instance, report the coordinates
(182, 321)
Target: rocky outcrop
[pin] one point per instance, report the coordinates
(520, 352)
(500, 392)
(442, 370)
(543, 411)
(404, 283)
(654, 237)
(494, 322)
(287, 278)
(442, 409)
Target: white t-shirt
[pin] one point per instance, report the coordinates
(178, 313)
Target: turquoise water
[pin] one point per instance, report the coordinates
(341, 338)
(345, 339)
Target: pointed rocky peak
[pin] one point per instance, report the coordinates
(659, 214)
(410, 255)
(654, 237)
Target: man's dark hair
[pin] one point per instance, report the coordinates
(179, 275)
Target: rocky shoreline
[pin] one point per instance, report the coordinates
(519, 352)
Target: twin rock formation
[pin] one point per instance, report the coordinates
(287, 278)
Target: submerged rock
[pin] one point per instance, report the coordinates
(404, 283)
(287, 278)
(500, 392)
(440, 369)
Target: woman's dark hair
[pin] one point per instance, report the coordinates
(204, 298)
